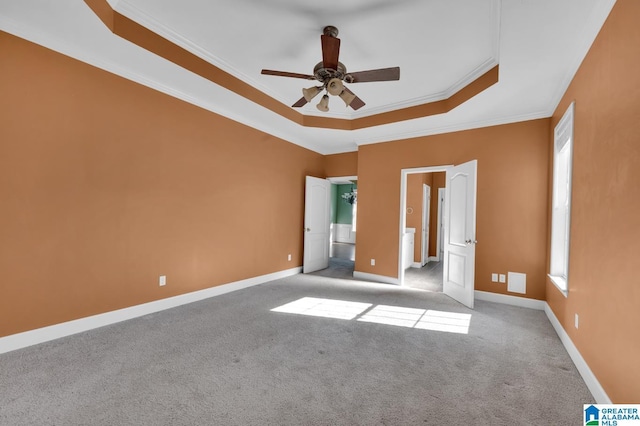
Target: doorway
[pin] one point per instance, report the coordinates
(422, 268)
(459, 229)
(344, 207)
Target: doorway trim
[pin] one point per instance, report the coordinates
(339, 180)
(439, 232)
(426, 223)
(403, 207)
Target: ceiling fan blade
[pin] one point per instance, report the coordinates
(356, 103)
(382, 74)
(288, 74)
(330, 51)
(301, 102)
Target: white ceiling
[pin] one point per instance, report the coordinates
(439, 45)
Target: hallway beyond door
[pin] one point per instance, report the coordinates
(429, 277)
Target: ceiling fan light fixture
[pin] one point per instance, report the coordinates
(323, 105)
(332, 75)
(335, 87)
(311, 92)
(347, 97)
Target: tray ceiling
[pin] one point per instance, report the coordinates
(440, 46)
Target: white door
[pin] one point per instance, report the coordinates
(316, 224)
(426, 212)
(460, 233)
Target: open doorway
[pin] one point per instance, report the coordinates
(343, 224)
(422, 266)
(330, 225)
(459, 229)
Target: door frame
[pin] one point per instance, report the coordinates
(426, 223)
(403, 207)
(338, 180)
(441, 194)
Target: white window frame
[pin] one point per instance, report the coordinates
(561, 208)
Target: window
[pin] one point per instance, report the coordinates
(561, 203)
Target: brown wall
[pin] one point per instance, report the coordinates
(338, 165)
(106, 184)
(604, 285)
(512, 198)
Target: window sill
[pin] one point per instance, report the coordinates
(560, 283)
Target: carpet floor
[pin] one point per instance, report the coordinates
(305, 350)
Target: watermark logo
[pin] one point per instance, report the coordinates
(592, 416)
(611, 414)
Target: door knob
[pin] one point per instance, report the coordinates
(308, 229)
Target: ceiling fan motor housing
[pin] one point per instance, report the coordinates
(323, 74)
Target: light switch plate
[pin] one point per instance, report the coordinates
(163, 280)
(494, 278)
(503, 278)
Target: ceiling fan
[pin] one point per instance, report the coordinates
(332, 75)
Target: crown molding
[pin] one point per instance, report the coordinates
(469, 78)
(454, 128)
(55, 44)
(143, 18)
(236, 108)
(472, 76)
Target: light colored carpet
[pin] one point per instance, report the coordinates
(429, 277)
(231, 360)
(338, 268)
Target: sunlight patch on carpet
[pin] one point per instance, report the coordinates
(423, 319)
(327, 308)
(450, 322)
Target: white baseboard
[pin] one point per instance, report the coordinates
(416, 265)
(434, 259)
(506, 299)
(52, 332)
(377, 278)
(589, 378)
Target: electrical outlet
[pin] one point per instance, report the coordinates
(503, 278)
(494, 278)
(576, 324)
(289, 257)
(373, 262)
(163, 280)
